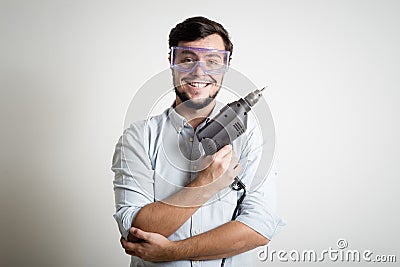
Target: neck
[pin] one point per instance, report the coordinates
(192, 115)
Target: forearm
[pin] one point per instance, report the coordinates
(166, 216)
(227, 240)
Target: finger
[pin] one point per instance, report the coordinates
(228, 156)
(224, 151)
(124, 243)
(205, 161)
(132, 253)
(129, 247)
(139, 233)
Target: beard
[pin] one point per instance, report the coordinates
(199, 104)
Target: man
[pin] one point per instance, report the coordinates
(174, 207)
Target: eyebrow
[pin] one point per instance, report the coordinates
(188, 52)
(207, 55)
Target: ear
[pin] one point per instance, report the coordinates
(229, 64)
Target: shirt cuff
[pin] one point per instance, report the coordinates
(268, 225)
(124, 218)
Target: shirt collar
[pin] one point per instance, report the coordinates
(179, 122)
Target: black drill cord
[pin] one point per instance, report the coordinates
(235, 212)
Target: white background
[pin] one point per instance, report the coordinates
(69, 69)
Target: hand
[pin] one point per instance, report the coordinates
(151, 247)
(222, 170)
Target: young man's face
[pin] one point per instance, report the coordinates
(197, 89)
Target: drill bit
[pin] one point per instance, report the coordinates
(253, 97)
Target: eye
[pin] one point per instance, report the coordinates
(214, 63)
(187, 60)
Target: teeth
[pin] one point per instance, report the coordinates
(198, 84)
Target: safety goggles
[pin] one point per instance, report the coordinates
(187, 59)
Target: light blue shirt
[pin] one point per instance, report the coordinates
(155, 158)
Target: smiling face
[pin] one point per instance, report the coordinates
(197, 89)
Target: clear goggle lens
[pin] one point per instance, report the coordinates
(187, 59)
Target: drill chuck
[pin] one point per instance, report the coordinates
(253, 97)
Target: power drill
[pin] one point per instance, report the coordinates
(227, 125)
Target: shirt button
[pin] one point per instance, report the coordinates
(179, 129)
(191, 139)
(196, 262)
(195, 167)
(196, 232)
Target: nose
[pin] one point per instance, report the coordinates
(198, 69)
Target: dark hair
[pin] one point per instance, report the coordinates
(196, 28)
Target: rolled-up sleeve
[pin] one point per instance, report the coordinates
(258, 209)
(133, 179)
